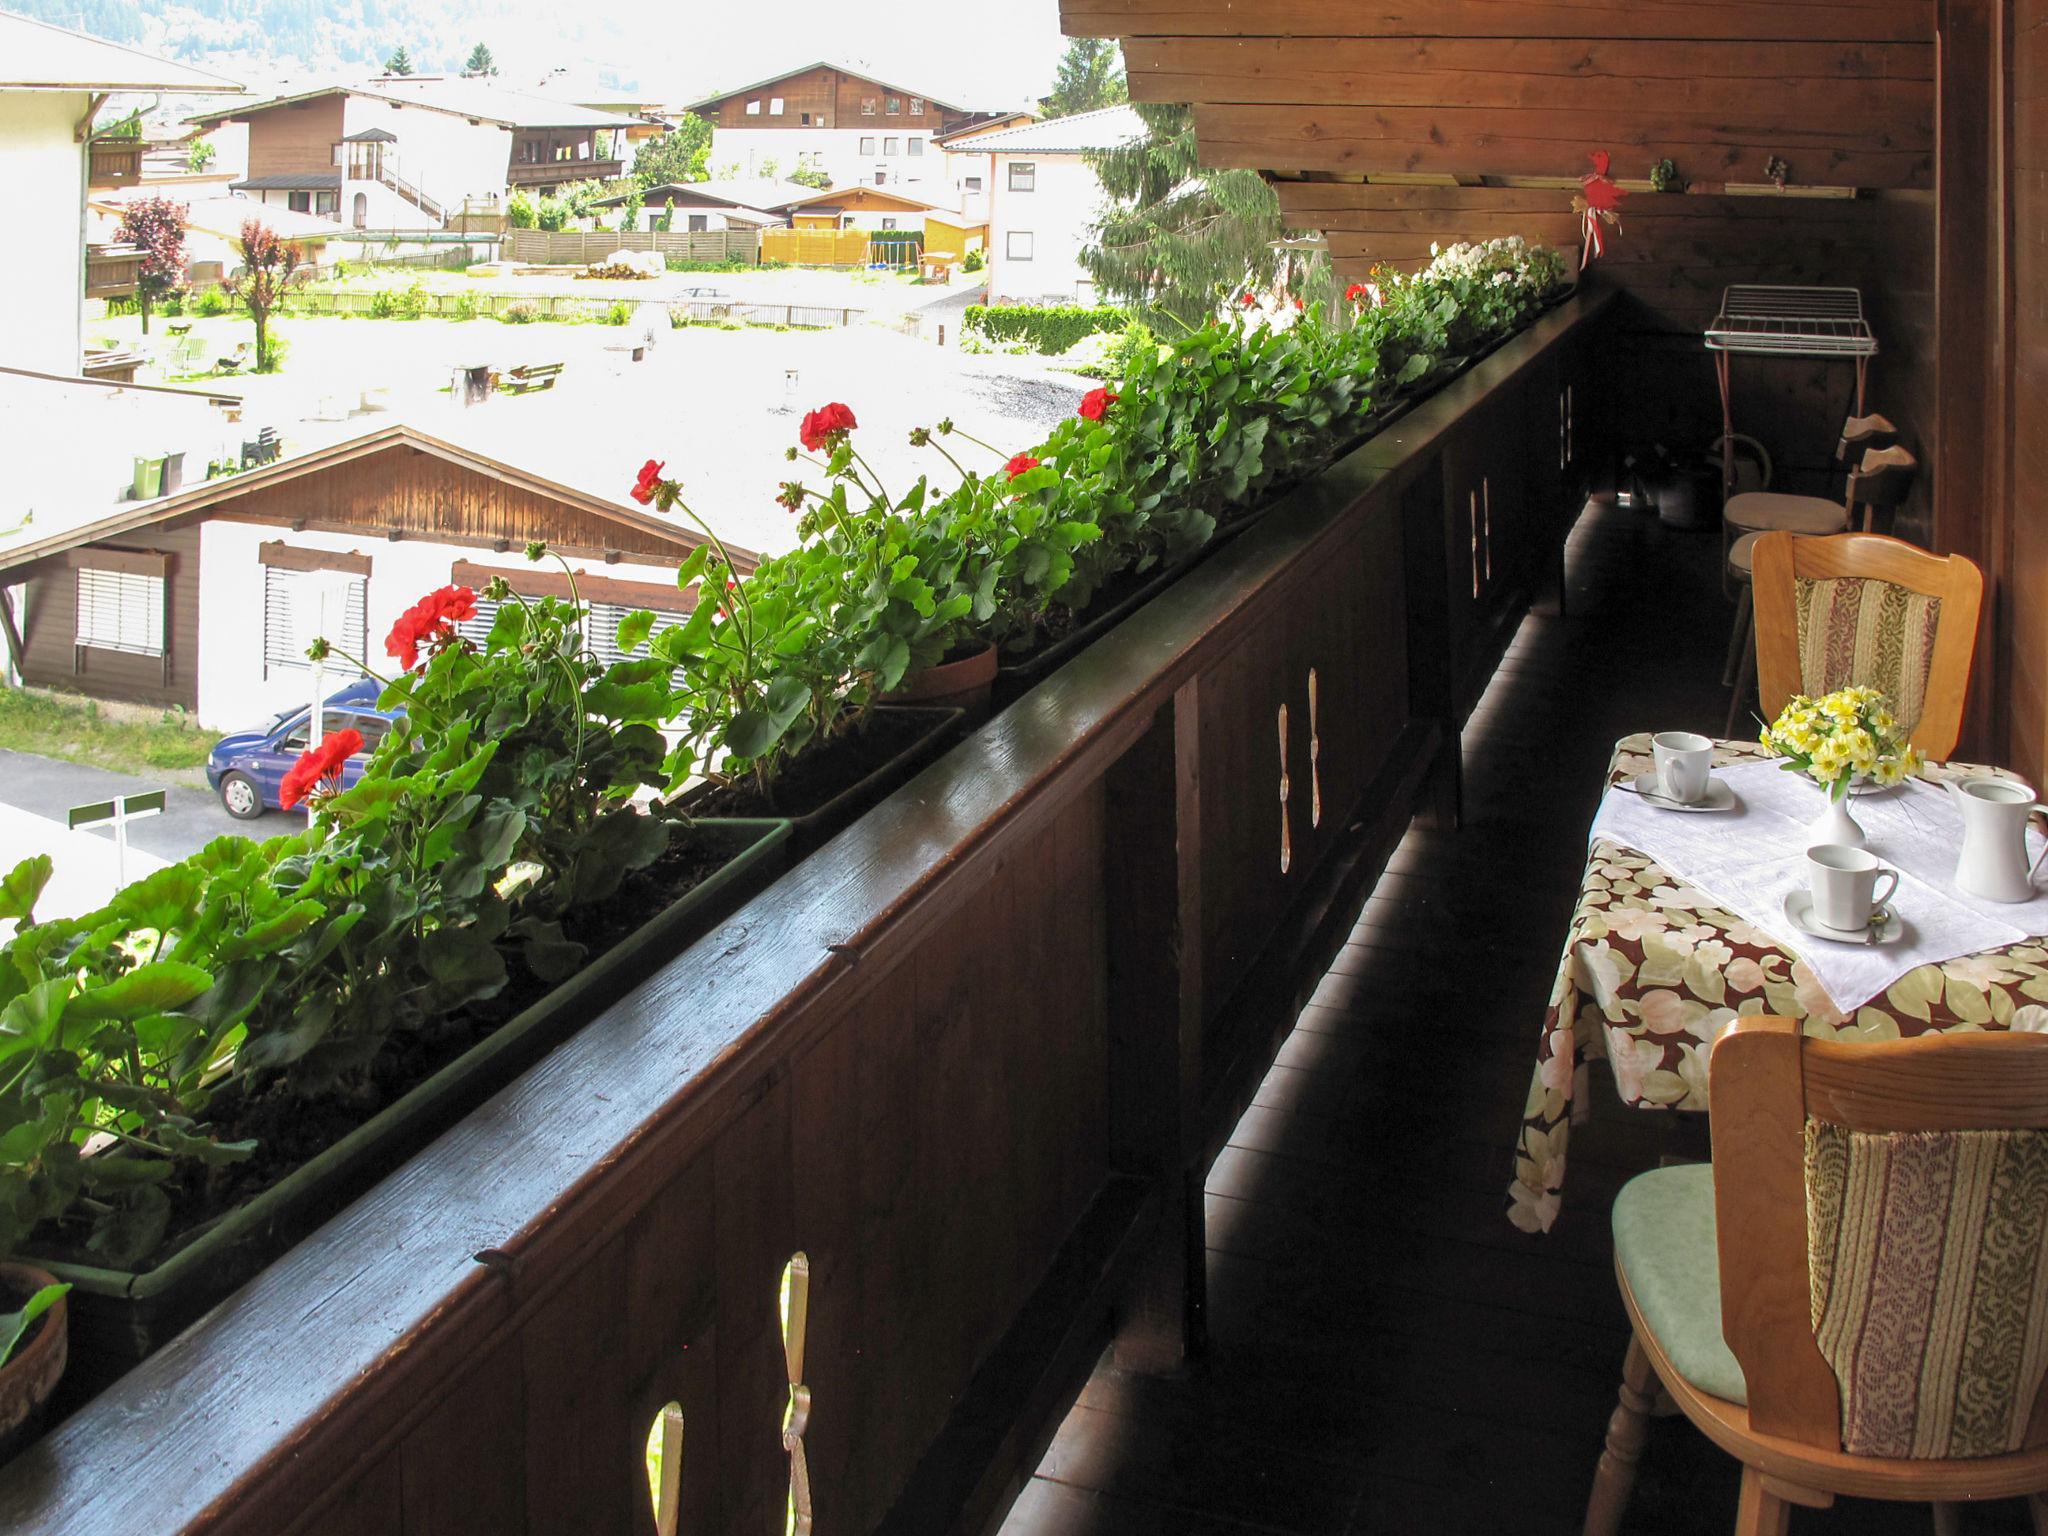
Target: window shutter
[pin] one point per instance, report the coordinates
(602, 630)
(290, 615)
(120, 611)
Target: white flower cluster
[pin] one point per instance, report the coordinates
(1509, 260)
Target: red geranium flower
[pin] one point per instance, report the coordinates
(824, 424)
(316, 764)
(1250, 299)
(650, 477)
(1020, 465)
(1354, 293)
(1299, 306)
(429, 622)
(1096, 403)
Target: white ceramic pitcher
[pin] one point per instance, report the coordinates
(1994, 862)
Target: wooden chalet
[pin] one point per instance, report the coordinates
(1109, 1131)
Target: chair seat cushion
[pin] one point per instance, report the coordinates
(1664, 1243)
(1763, 511)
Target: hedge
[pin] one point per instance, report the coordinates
(1051, 328)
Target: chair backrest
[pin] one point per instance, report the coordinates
(1864, 609)
(1883, 1219)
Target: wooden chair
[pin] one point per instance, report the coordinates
(1863, 608)
(1876, 1328)
(1766, 511)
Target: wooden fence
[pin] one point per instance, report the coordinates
(970, 1061)
(815, 247)
(569, 247)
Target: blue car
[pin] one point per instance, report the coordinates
(247, 769)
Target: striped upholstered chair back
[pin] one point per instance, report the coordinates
(1862, 609)
(1889, 1296)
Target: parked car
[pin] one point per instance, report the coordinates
(247, 769)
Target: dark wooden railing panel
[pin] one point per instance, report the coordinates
(956, 1057)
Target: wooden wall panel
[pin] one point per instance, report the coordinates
(1760, 20)
(2023, 600)
(51, 620)
(298, 137)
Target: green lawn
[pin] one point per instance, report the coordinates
(76, 731)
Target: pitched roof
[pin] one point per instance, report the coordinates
(289, 181)
(833, 199)
(1104, 128)
(458, 98)
(35, 56)
(674, 194)
(212, 494)
(370, 136)
(804, 69)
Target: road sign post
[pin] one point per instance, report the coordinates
(120, 810)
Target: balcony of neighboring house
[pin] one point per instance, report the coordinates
(1137, 1098)
(113, 162)
(550, 160)
(111, 271)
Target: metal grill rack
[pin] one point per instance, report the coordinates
(1792, 322)
(1772, 320)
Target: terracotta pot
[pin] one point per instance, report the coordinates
(32, 1373)
(963, 684)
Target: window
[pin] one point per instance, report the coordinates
(699, 223)
(916, 145)
(888, 223)
(892, 146)
(120, 611)
(1019, 246)
(973, 184)
(291, 618)
(917, 106)
(775, 106)
(753, 109)
(806, 117)
(881, 178)
(867, 106)
(1023, 176)
(299, 202)
(894, 108)
(326, 202)
(867, 144)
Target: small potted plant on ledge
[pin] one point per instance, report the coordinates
(32, 1349)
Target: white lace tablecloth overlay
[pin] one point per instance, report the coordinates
(1749, 857)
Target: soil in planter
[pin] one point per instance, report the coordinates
(824, 768)
(291, 1130)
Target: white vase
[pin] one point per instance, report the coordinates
(1835, 825)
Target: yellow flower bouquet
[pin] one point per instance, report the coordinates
(1848, 735)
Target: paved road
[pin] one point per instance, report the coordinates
(192, 818)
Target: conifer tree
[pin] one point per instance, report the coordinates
(480, 63)
(400, 62)
(1090, 76)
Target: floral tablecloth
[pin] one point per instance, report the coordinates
(1673, 968)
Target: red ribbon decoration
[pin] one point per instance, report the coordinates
(1598, 203)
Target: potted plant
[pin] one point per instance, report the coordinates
(32, 1349)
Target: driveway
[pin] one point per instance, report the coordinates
(47, 787)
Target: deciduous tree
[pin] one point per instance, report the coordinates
(677, 156)
(270, 270)
(157, 226)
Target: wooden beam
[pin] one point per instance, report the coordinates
(1904, 21)
(17, 652)
(138, 562)
(1515, 141)
(290, 557)
(587, 588)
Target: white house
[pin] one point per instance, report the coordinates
(206, 600)
(829, 117)
(53, 83)
(406, 152)
(698, 207)
(1043, 200)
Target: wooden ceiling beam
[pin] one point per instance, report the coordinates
(1903, 21)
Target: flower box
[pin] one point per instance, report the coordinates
(120, 1316)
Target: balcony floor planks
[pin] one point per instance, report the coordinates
(1387, 1354)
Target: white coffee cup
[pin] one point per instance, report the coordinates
(1844, 884)
(1684, 764)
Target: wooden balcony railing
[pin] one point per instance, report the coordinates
(550, 173)
(114, 163)
(111, 271)
(970, 1059)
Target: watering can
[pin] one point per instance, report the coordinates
(1994, 862)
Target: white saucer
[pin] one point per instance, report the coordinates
(1719, 797)
(1799, 913)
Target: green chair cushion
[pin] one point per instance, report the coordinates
(1664, 1243)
